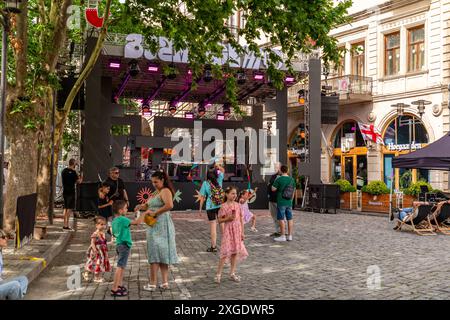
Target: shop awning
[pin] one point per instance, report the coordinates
(435, 156)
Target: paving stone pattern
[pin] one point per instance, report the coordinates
(328, 259)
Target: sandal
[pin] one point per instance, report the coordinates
(164, 286)
(123, 288)
(211, 249)
(86, 276)
(149, 287)
(118, 293)
(235, 278)
(217, 278)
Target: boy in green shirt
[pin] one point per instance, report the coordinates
(284, 204)
(121, 231)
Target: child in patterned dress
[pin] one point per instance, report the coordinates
(232, 247)
(244, 197)
(97, 254)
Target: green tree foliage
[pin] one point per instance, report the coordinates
(200, 26)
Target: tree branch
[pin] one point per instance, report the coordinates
(59, 35)
(20, 45)
(91, 62)
(42, 14)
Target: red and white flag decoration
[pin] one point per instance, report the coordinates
(369, 132)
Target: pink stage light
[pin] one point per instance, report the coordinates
(220, 116)
(189, 115)
(114, 65)
(289, 79)
(258, 76)
(153, 68)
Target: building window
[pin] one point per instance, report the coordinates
(416, 49)
(338, 70)
(349, 130)
(402, 134)
(405, 130)
(358, 59)
(392, 54)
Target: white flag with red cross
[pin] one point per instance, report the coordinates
(371, 133)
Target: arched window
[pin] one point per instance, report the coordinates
(405, 129)
(348, 128)
(402, 133)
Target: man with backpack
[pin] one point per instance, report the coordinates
(211, 191)
(284, 186)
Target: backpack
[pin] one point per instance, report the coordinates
(288, 192)
(217, 195)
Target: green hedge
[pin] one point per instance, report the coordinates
(345, 186)
(414, 189)
(376, 188)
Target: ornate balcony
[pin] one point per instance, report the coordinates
(351, 88)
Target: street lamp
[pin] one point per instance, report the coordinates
(400, 107)
(13, 6)
(10, 7)
(421, 106)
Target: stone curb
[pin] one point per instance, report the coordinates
(37, 266)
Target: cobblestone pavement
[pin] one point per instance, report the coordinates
(331, 257)
(36, 254)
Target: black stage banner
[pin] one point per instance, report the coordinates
(25, 219)
(184, 199)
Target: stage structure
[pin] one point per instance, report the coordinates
(140, 142)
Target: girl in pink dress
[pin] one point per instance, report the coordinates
(232, 247)
(244, 197)
(97, 254)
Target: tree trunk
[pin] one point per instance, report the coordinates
(21, 173)
(43, 180)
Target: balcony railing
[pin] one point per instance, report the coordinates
(350, 84)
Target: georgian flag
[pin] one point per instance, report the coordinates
(369, 132)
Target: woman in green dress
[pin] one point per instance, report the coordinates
(161, 246)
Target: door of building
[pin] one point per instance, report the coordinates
(350, 169)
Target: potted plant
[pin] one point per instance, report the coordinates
(411, 193)
(375, 197)
(346, 190)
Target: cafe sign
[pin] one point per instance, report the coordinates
(134, 49)
(402, 147)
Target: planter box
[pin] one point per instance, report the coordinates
(346, 201)
(349, 200)
(379, 203)
(408, 201)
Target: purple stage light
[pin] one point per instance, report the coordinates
(153, 67)
(114, 64)
(189, 115)
(289, 79)
(220, 116)
(258, 76)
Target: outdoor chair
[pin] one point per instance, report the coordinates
(439, 219)
(421, 223)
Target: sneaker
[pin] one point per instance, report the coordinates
(280, 239)
(275, 234)
(289, 238)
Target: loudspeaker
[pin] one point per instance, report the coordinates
(87, 197)
(62, 94)
(330, 109)
(324, 197)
